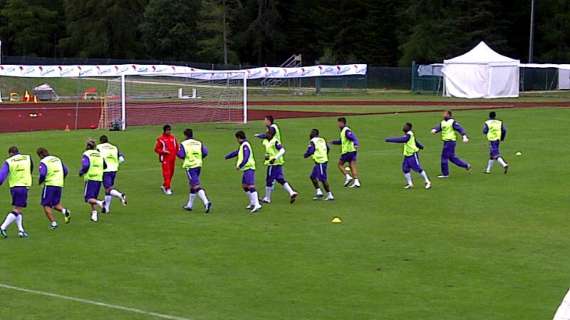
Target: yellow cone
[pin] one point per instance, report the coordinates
(336, 220)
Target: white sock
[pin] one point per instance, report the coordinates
(425, 176)
(191, 198)
(347, 176)
(319, 192)
(108, 200)
(254, 198)
(490, 165)
(54, 224)
(502, 162)
(202, 196)
(10, 218)
(94, 214)
(329, 194)
(408, 177)
(99, 203)
(20, 223)
(288, 188)
(116, 193)
(248, 194)
(63, 211)
(268, 191)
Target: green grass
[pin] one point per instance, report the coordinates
(474, 247)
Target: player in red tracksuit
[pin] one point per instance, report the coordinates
(166, 147)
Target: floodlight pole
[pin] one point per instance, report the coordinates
(245, 97)
(531, 34)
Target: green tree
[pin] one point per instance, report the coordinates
(552, 35)
(169, 29)
(28, 28)
(214, 32)
(103, 28)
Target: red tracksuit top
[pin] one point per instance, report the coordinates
(166, 147)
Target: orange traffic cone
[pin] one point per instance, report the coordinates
(67, 128)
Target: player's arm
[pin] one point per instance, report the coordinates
(310, 150)
(436, 129)
(204, 151)
(279, 154)
(419, 144)
(84, 165)
(457, 127)
(403, 139)
(485, 128)
(231, 155)
(4, 172)
(352, 137)
(43, 173)
(181, 152)
(65, 170)
(503, 132)
(122, 157)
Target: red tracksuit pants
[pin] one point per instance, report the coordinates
(168, 171)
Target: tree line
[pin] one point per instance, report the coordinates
(258, 32)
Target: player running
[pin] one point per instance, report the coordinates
(448, 126)
(274, 161)
(166, 147)
(92, 168)
(246, 163)
(113, 158)
(349, 145)
(193, 153)
(18, 170)
(318, 149)
(411, 157)
(271, 127)
(52, 174)
(496, 132)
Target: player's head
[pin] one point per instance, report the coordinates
(269, 134)
(314, 133)
(103, 139)
(90, 144)
(269, 120)
(407, 127)
(42, 152)
(13, 150)
(188, 133)
(341, 122)
(492, 115)
(240, 136)
(166, 129)
(447, 114)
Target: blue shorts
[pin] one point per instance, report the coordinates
(92, 189)
(109, 179)
(348, 157)
(193, 175)
(412, 163)
(319, 172)
(494, 152)
(274, 173)
(51, 196)
(19, 196)
(248, 177)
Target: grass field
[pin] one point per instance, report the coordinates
(474, 247)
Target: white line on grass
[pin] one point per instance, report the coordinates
(95, 303)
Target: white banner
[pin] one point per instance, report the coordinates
(75, 71)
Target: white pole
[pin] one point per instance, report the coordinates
(123, 104)
(245, 97)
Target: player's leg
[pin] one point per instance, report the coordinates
(54, 201)
(279, 176)
(499, 157)
(192, 195)
(323, 177)
(46, 202)
(196, 186)
(445, 160)
(407, 174)
(456, 160)
(249, 181)
(91, 195)
(354, 171)
(269, 181)
(315, 180)
(111, 191)
(20, 201)
(172, 166)
(493, 154)
(341, 167)
(166, 177)
(417, 167)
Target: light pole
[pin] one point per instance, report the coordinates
(531, 35)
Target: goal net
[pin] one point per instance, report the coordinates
(154, 100)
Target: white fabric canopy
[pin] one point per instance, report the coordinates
(481, 73)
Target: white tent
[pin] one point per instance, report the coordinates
(481, 73)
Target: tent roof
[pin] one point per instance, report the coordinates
(481, 54)
(43, 87)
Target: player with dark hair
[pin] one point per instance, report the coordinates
(92, 168)
(318, 150)
(52, 174)
(271, 127)
(246, 163)
(448, 126)
(166, 147)
(496, 132)
(349, 145)
(274, 160)
(193, 152)
(17, 169)
(113, 158)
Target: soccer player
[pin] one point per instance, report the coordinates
(92, 168)
(246, 163)
(448, 126)
(271, 127)
(274, 161)
(349, 145)
(496, 132)
(193, 153)
(166, 147)
(318, 149)
(52, 174)
(113, 158)
(411, 158)
(18, 170)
